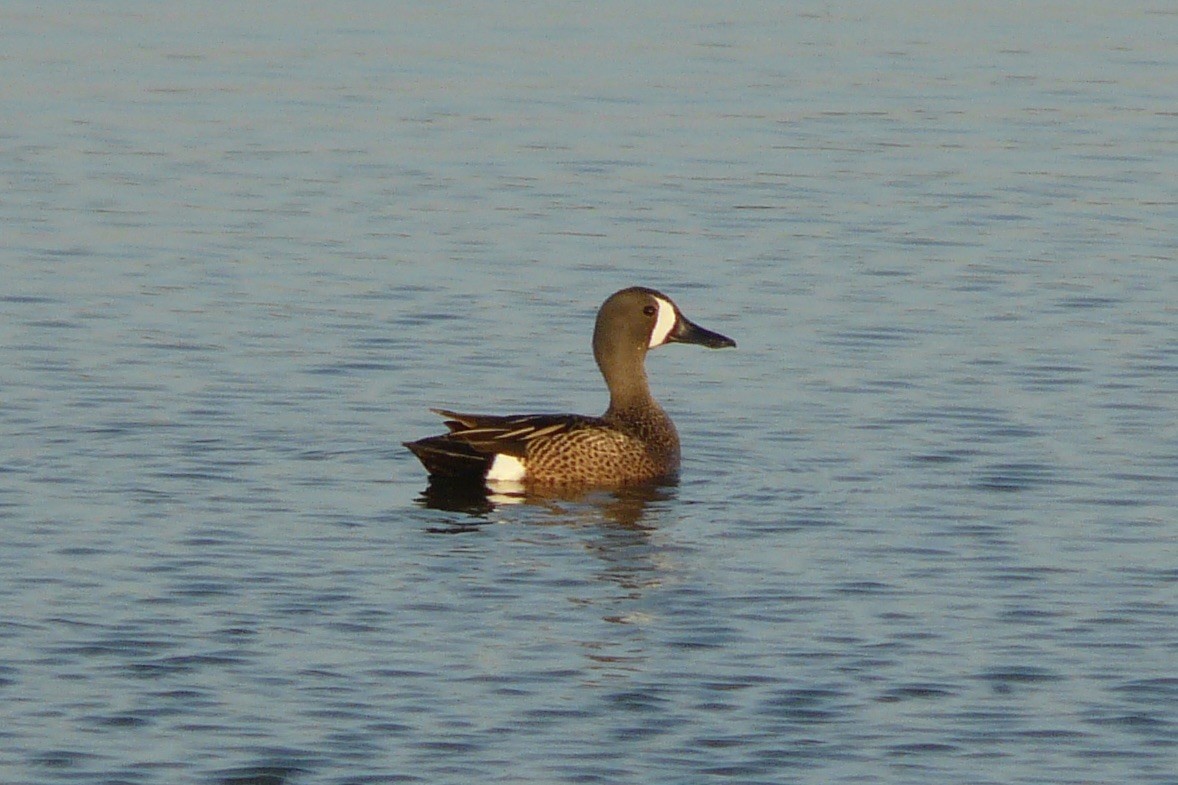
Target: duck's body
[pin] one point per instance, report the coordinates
(633, 442)
(553, 449)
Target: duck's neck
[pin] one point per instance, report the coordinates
(630, 403)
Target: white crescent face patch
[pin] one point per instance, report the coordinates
(663, 324)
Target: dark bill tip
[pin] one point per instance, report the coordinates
(689, 332)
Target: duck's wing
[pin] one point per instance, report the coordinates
(474, 440)
(511, 434)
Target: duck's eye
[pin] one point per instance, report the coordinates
(650, 310)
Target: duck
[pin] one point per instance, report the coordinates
(634, 442)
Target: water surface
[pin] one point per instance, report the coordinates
(926, 525)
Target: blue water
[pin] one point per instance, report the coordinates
(926, 529)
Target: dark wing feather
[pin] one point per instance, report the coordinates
(445, 457)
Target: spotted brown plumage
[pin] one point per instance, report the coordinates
(633, 442)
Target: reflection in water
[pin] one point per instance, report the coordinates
(623, 506)
(632, 562)
(452, 495)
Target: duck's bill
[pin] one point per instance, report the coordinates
(689, 332)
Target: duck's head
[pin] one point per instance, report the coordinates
(635, 320)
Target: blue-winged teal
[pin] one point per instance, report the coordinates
(633, 442)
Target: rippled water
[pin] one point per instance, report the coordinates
(926, 526)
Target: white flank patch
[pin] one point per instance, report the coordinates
(664, 324)
(506, 468)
